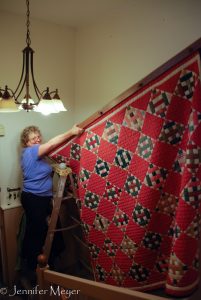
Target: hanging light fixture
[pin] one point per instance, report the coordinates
(47, 101)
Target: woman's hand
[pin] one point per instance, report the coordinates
(76, 130)
(59, 139)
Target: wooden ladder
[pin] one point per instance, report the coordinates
(57, 200)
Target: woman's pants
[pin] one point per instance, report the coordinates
(37, 209)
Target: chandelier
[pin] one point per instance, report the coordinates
(12, 100)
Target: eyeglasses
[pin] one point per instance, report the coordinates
(35, 138)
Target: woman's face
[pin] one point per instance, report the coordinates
(34, 138)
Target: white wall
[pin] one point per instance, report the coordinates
(54, 67)
(113, 55)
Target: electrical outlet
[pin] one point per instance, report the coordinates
(13, 195)
(9, 198)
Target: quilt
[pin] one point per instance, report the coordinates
(137, 172)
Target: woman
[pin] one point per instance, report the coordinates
(37, 190)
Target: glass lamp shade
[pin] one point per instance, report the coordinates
(46, 107)
(8, 105)
(59, 105)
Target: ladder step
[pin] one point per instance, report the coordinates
(75, 220)
(65, 228)
(70, 196)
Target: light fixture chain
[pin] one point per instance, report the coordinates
(28, 39)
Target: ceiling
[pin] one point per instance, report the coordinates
(74, 13)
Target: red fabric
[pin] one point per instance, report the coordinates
(138, 179)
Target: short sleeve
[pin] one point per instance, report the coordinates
(34, 151)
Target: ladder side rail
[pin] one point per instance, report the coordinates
(54, 216)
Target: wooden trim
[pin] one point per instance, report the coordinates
(196, 46)
(42, 284)
(9, 224)
(3, 244)
(94, 289)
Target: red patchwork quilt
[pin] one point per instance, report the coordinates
(137, 170)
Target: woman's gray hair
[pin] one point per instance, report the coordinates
(26, 132)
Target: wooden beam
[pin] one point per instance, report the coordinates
(94, 289)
